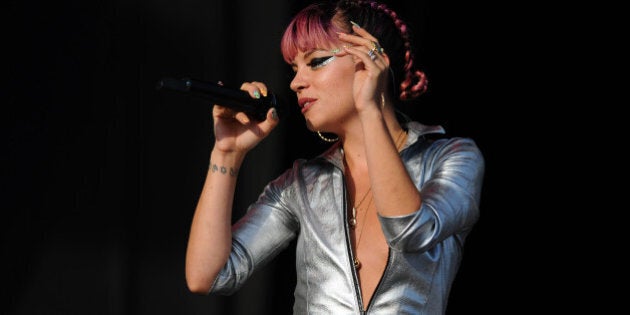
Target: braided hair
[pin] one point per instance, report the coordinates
(394, 36)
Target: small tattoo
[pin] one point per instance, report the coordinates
(224, 170)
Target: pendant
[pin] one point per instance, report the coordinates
(353, 220)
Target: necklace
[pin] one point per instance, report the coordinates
(357, 263)
(400, 140)
(353, 220)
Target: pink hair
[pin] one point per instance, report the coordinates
(312, 28)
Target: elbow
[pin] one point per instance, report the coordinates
(198, 288)
(199, 285)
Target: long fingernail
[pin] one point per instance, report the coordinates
(256, 94)
(355, 24)
(274, 113)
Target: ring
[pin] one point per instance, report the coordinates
(372, 54)
(376, 47)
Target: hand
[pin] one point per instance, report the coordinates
(234, 131)
(370, 82)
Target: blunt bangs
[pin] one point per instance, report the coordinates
(312, 28)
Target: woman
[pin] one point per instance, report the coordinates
(380, 217)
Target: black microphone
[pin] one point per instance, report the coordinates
(237, 100)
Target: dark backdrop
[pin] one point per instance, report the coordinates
(101, 172)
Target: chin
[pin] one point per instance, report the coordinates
(310, 126)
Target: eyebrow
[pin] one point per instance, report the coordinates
(308, 54)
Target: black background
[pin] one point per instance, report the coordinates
(101, 172)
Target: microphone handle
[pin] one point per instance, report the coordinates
(237, 100)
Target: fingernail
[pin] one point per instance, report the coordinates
(335, 50)
(355, 24)
(264, 93)
(274, 113)
(256, 94)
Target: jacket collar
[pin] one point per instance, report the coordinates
(334, 154)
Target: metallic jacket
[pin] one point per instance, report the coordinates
(309, 202)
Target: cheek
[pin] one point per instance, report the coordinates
(338, 87)
(339, 79)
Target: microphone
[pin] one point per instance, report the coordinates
(237, 100)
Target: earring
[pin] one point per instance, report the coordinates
(326, 139)
(382, 100)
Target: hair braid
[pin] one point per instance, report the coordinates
(409, 89)
(414, 82)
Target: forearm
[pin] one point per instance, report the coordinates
(210, 236)
(394, 191)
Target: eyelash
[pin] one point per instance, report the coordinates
(317, 63)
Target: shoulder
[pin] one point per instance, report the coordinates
(433, 143)
(435, 136)
(306, 169)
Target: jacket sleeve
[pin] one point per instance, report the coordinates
(265, 230)
(449, 175)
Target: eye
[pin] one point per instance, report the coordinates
(317, 63)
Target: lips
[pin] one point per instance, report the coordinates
(305, 103)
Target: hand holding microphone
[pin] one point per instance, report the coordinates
(233, 134)
(237, 100)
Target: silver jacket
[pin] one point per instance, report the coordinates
(309, 202)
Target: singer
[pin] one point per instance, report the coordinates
(382, 216)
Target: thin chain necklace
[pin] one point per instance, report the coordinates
(357, 263)
(353, 220)
(400, 140)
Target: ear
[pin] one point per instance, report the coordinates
(358, 63)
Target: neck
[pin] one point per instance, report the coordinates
(353, 141)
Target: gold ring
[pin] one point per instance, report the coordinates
(376, 47)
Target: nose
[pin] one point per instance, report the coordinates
(299, 82)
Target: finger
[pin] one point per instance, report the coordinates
(369, 59)
(356, 40)
(242, 118)
(372, 48)
(340, 51)
(221, 111)
(254, 89)
(363, 37)
(271, 121)
(372, 42)
(261, 87)
(362, 32)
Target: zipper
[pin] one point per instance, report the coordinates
(355, 276)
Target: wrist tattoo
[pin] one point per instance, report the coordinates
(223, 170)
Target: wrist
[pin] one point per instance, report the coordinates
(226, 162)
(370, 114)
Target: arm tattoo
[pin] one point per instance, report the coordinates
(223, 170)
